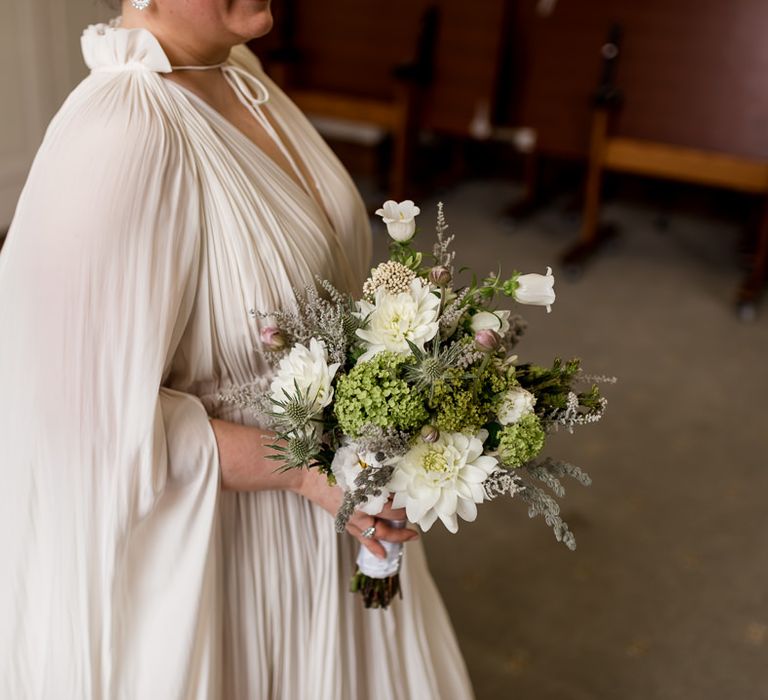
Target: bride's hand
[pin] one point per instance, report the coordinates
(315, 487)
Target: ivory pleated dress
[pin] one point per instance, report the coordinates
(148, 229)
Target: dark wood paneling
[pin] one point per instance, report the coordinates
(352, 46)
(695, 72)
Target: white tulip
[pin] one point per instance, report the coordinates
(536, 289)
(491, 321)
(400, 219)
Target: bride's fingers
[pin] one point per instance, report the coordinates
(371, 544)
(384, 531)
(390, 513)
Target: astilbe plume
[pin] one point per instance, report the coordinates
(443, 254)
(452, 314)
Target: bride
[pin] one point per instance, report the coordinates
(149, 550)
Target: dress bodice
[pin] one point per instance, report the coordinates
(262, 235)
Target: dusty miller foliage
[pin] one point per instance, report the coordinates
(522, 483)
(328, 318)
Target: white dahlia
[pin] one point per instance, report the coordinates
(442, 479)
(395, 319)
(306, 368)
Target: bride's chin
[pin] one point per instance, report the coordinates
(253, 19)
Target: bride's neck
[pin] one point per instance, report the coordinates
(181, 49)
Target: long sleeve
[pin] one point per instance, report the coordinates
(109, 482)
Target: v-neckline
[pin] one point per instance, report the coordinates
(250, 143)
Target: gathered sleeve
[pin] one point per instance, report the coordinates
(109, 480)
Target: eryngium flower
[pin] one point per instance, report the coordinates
(396, 319)
(442, 479)
(521, 442)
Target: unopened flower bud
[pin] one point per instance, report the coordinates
(440, 276)
(487, 340)
(272, 338)
(429, 433)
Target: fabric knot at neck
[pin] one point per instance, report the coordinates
(109, 47)
(247, 86)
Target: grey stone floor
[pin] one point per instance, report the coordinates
(667, 594)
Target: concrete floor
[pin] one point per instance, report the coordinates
(666, 596)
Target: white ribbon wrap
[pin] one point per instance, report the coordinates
(372, 566)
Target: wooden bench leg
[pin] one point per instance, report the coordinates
(591, 235)
(750, 290)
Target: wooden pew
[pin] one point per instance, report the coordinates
(670, 162)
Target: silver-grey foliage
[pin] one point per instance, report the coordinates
(330, 319)
(521, 483)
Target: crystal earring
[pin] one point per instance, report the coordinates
(141, 4)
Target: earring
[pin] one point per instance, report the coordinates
(141, 4)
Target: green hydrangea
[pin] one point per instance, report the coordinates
(455, 407)
(493, 382)
(374, 392)
(521, 442)
(460, 402)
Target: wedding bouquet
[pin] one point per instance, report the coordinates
(412, 393)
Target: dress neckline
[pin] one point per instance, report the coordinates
(111, 47)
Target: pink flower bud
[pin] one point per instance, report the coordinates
(440, 276)
(272, 338)
(487, 340)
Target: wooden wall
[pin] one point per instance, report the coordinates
(352, 46)
(695, 72)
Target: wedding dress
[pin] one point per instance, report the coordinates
(148, 229)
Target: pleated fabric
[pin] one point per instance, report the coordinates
(148, 229)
